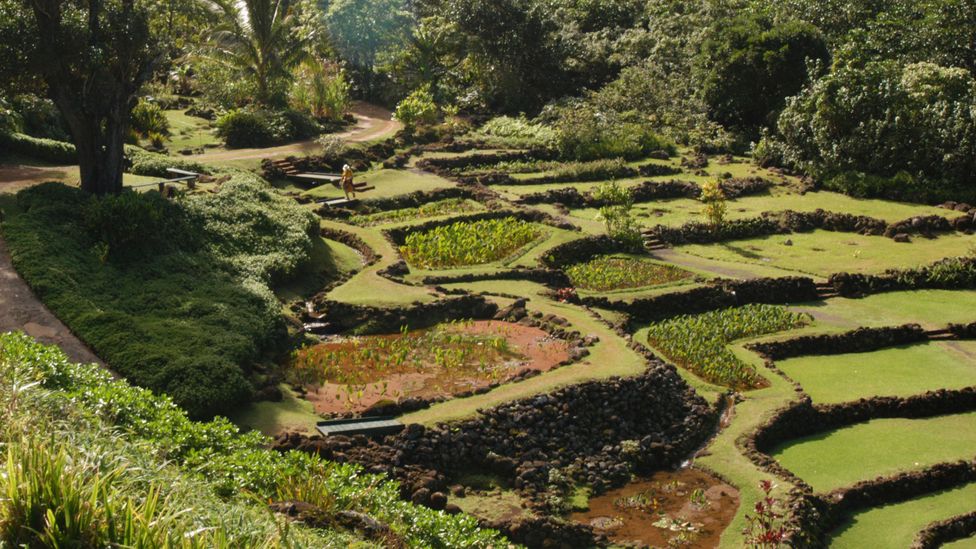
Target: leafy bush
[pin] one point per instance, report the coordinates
(39, 117)
(195, 311)
(262, 128)
(748, 68)
(108, 426)
(585, 133)
(47, 150)
(613, 273)
(321, 91)
(516, 132)
(417, 109)
(699, 343)
(468, 243)
(882, 118)
(149, 118)
(616, 214)
(143, 162)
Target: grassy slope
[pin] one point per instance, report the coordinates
(899, 371)
(824, 252)
(879, 447)
(930, 308)
(328, 260)
(894, 525)
(189, 132)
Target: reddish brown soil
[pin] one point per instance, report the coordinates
(665, 493)
(531, 349)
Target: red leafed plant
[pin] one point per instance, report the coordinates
(766, 529)
(567, 295)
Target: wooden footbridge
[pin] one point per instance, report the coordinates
(369, 426)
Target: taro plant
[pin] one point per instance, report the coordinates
(606, 273)
(468, 243)
(699, 343)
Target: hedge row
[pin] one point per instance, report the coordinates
(47, 150)
(954, 273)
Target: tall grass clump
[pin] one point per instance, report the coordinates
(517, 132)
(699, 343)
(468, 243)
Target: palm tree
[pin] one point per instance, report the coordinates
(262, 40)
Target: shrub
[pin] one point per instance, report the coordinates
(39, 117)
(616, 214)
(748, 68)
(320, 90)
(465, 243)
(699, 343)
(243, 128)
(47, 150)
(148, 118)
(516, 132)
(143, 162)
(585, 133)
(262, 128)
(882, 118)
(182, 304)
(417, 109)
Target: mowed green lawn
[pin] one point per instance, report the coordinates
(388, 183)
(930, 308)
(879, 447)
(683, 210)
(897, 371)
(896, 525)
(968, 543)
(823, 253)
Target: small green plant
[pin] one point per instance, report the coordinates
(714, 204)
(417, 109)
(616, 214)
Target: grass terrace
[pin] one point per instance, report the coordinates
(878, 447)
(898, 371)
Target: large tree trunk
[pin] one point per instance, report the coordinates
(95, 96)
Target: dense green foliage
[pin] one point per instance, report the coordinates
(174, 296)
(884, 119)
(135, 450)
(585, 133)
(749, 69)
(700, 342)
(506, 131)
(468, 243)
(45, 150)
(614, 273)
(262, 128)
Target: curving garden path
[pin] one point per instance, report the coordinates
(372, 122)
(21, 310)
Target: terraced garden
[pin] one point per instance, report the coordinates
(568, 387)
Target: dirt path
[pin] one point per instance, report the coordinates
(372, 122)
(16, 177)
(20, 310)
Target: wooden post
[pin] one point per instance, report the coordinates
(162, 188)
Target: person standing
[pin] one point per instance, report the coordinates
(347, 185)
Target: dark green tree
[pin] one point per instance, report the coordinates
(92, 56)
(747, 69)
